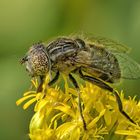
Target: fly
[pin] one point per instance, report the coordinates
(99, 61)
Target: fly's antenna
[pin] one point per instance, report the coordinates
(23, 60)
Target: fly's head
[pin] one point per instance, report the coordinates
(36, 60)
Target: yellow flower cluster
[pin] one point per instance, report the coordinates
(57, 114)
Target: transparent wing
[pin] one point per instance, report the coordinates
(108, 44)
(129, 68)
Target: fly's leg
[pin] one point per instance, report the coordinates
(56, 77)
(107, 87)
(39, 89)
(79, 99)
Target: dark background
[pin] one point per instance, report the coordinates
(23, 22)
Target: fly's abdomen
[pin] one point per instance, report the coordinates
(102, 64)
(106, 64)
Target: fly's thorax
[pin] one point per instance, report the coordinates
(63, 51)
(64, 47)
(37, 60)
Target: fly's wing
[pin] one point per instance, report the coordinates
(129, 68)
(108, 44)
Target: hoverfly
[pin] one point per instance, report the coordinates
(100, 61)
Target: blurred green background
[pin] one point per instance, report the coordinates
(23, 22)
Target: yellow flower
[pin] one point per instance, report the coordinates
(57, 114)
